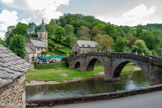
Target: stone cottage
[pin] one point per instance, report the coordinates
(34, 46)
(84, 46)
(12, 79)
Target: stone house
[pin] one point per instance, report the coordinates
(12, 79)
(84, 46)
(34, 46)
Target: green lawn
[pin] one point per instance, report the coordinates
(53, 72)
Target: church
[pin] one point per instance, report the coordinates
(35, 45)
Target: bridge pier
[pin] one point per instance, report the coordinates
(155, 75)
(83, 68)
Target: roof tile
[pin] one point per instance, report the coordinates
(11, 66)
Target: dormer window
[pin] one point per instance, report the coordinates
(83, 46)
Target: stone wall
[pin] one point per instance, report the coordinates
(89, 98)
(13, 95)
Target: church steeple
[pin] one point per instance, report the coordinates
(42, 34)
(43, 29)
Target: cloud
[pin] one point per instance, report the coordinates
(47, 8)
(138, 15)
(7, 1)
(7, 18)
(140, 12)
(29, 11)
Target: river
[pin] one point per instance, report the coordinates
(91, 86)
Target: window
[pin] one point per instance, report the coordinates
(83, 46)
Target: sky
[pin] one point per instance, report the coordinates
(118, 12)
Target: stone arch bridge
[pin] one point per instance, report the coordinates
(113, 64)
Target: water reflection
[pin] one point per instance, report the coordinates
(91, 86)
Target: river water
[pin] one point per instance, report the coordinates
(91, 86)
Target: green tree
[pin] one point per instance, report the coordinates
(84, 38)
(32, 30)
(159, 51)
(121, 44)
(70, 41)
(21, 29)
(83, 31)
(2, 42)
(132, 40)
(17, 45)
(51, 28)
(140, 47)
(139, 30)
(69, 29)
(105, 42)
(94, 31)
(111, 31)
(152, 41)
(60, 32)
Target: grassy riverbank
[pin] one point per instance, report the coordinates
(60, 72)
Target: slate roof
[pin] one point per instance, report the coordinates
(38, 43)
(29, 50)
(42, 29)
(87, 44)
(11, 66)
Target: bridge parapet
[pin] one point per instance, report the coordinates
(146, 58)
(103, 54)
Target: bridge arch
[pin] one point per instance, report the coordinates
(91, 64)
(119, 67)
(77, 65)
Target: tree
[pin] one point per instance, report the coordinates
(84, 38)
(32, 30)
(70, 41)
(159, 52)
(157, 39)
(69, 29)
(83, 31)
(59, 33)
(2, 42)
(151, 40)
(17, 45)
(21, 29)
(94, 31)
(140, 47)
(132, 40)
(51, 28)
(111, 31)
(9, 34)
(104, 41)
(139, 30)
(121, 44)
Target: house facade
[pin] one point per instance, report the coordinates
(84, 46)
(34, 46)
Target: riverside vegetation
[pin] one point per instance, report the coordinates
(60, 72)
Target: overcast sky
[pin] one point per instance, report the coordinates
(118, 12)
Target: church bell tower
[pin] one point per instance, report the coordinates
(42, 34)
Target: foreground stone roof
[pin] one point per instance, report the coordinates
(11, 66)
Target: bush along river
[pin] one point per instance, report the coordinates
(87, 87)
